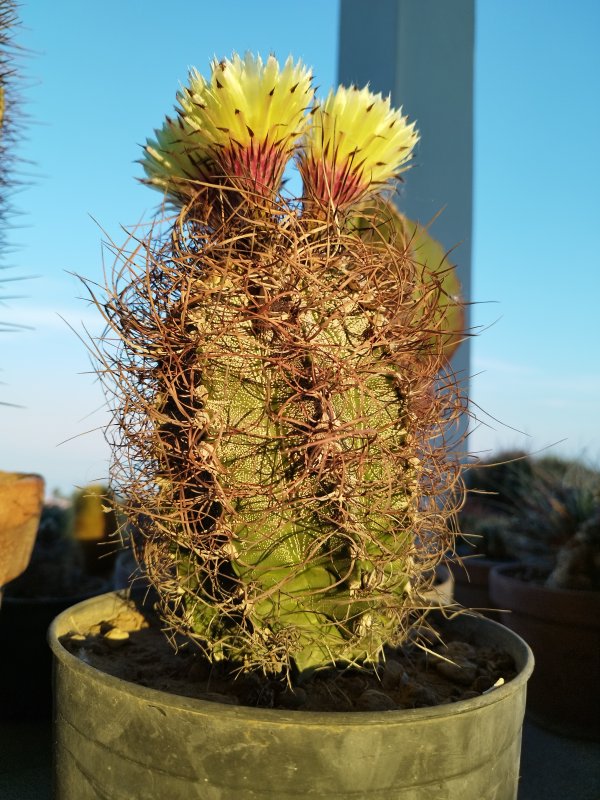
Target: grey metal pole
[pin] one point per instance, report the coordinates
(421, 51)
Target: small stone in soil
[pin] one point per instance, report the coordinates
(500, 682)
(292, 698)
(392, 673)
(420, 696)
(459, 651)
(372, 700)
(462, 672)
(115, 637)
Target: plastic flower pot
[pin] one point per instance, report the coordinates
(116, 739)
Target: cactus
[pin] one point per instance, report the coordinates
(281, 434)
(21, 495)
(542, 509)
(10, 55)
(11, 134)
(8, 20)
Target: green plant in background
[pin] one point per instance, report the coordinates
(493, 500)
(528, 508)
(577, 561)
(559, 522)
(95, 526)
(282, 435)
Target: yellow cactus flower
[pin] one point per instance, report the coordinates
(242, 125)
(175, 160)
(355, 144)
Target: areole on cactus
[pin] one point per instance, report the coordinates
(279, 418)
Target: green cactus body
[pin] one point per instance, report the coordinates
(302, 427)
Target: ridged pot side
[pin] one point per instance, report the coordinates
(563, 629)
(118, 740)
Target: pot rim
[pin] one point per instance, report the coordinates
(200, 706)
(506, 572)
(48, 599)
(577, 608)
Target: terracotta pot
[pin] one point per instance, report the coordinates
(117, 739)
(563, 629)
(21, 500)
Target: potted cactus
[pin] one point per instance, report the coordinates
(282, 442)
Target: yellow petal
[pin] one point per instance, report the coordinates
(356, 143)
(242, 125)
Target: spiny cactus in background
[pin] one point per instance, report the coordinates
(280, 428)
(10, 111)
(577, 564)
(8, 21)
(527, 508)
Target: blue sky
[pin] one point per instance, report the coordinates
(101, 76)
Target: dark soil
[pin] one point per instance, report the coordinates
(426, 672)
